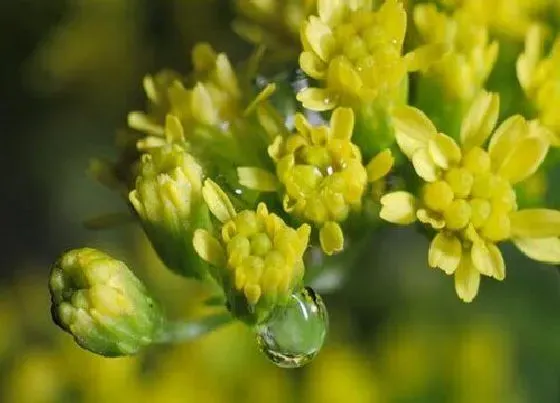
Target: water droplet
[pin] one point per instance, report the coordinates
(295, 333)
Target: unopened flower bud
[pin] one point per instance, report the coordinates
(168, 200)
(99, 301)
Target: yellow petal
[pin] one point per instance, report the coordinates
(173, 129)
(208, 248)
(380, 165)
(487, 259)
(342, 123)
(505, 137)
(331, 11)
(527, 61)
(225, 75)
(535, 223)
(524, 159)
(428, 217)
(498, 259)
(342, 76)
(252, 293)
(480, 120)
(546, 250)
(319, 37)
(413, 129)
(203, 108)
(421, 58)
(398, 207)
(203, 57)
(331, 238)
(257, 179)
(312, 65)
(445, 252)
(424, 165)
(467, 279)
(144, 123)
(218, 202)
(316, 99)
(538, 130)
(392, 19)
(444, 151)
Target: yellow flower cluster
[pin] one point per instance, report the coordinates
(355, 53)
(321, 174)
(466, 65)
(214, 100)
(256, 254)
(539, 77)
(467, 196)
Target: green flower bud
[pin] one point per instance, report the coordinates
(168, 200)
(99, 301)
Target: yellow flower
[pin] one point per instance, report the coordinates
(539, 77)
(463, 70)
(467, 196)
(320, 173)
(274, 24)
(258, 259)
(356, 53)
(211, 118)
(214, 100)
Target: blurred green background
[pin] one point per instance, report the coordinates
(70, 72)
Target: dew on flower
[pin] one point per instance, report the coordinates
(295, 333)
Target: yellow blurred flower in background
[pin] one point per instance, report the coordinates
(539, 76)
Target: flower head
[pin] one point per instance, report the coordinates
(462, 71)
(257, 258)
(467, 195)
(214, 100)
(355, 52)
(100, 302)
(321, 174)
(168, 200)
(539, 77)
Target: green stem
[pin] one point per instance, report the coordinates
(179, 332)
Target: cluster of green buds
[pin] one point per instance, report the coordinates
(235, 176)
